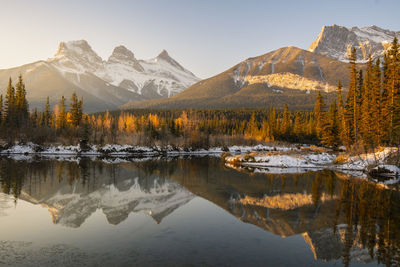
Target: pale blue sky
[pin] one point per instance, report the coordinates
(206, 37)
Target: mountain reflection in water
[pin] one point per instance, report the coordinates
(340, 218)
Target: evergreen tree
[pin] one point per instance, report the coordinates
(285, 126)
(252, 127)
(297, 129)
(365, 111)
(21, 104)
(62, 115)
(319, 114)
(376, 104)
(394, 91)
(352, 102)
(75, 110)
(272, 120)
(385, 100)
(9, 109)
(330, 134)
(341, 113)
(1, 109)
(47, 113)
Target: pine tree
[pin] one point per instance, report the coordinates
(75, 110)
(319, 114)
(365, 111)
(376, 105)
(266, 134)
(351, 103)
(330, 134)
(47, 113)
(285, 126)
(61, 115)
(272, 120)
(9, 109)
(341, 113)
(252, 127)
(297, 129)
(34, 118)
(1, 109)
(21, 104)
(357, 106)
(385, 101)
(394, 90)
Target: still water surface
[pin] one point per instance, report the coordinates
(191, 211)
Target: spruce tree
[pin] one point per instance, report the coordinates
(297, 128)
(394, 89)
(9, 105)
(1, 109)
(385, 101)
(319, 114)
(330, 134)
(351, 102)
(47, 113)
(285, 126)
(272, 120)
(75, 110)
(252, 127)
(375, 104)
(365, 111)
(341, 113)
(62, 115)
(21, 104)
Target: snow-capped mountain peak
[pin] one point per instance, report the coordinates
(159, 77)
(79, 50)
(337, 41)
(122, 55)
(166, 57)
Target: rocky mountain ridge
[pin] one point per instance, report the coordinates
(337, 41)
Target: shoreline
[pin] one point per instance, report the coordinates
(116, 150)
(288, 158)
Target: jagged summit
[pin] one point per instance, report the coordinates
(78, 49)
(337, 41)
(167, 58)
(122, 53)
(163, 54)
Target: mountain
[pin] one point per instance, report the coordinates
(71, 202)
(337, 41)
(103, 84)
(288, 75)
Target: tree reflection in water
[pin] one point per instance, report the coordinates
(338, 216)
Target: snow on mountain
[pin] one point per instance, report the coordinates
(337, 41)
(154, 78)
(72, 205)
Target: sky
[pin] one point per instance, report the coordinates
(206, 37)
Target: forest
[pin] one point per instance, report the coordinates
(367, 117)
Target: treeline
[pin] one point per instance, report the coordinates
(370, 114)
(197, 128)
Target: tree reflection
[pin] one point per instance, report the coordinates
(358, 214)
(372, 216)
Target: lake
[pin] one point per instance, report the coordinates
(190, 211)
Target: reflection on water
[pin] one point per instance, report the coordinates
(341, 219)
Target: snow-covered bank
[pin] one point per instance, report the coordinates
(296, 160)
(373, 165)
(129, 150)
(363, 161)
